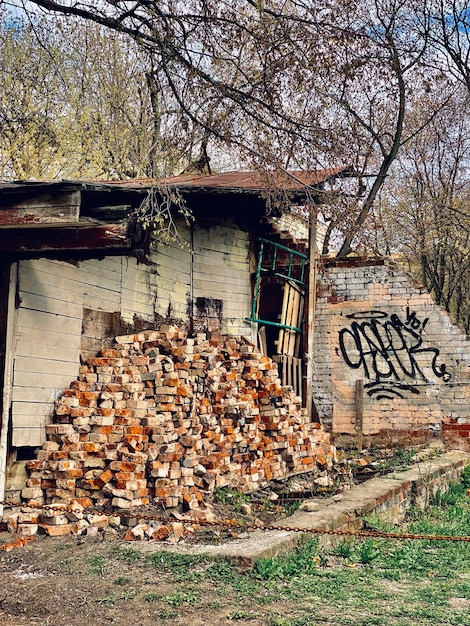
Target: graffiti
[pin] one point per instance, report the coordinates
(390, 351)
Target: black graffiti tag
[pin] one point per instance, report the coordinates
(389, 351)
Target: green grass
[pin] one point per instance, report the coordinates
(227, 495)
(305, 559)
(109, 600)
(360, 582)
(97, 565)
(243, 616)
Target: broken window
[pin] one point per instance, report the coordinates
(278, 306)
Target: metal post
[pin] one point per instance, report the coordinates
(311, 305)
(359, 412)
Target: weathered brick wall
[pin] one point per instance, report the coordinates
(374, 324)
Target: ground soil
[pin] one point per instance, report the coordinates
(66, 582)
(72, 581)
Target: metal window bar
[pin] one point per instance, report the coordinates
(260, 271)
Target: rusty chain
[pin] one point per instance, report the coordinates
(234, 524)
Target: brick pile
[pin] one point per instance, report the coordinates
(162, 419)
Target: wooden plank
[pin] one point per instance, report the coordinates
(36, 287)
(240, 306)
(139, 276)
(39, 320)
(32, 379)
(46, 366)
(230, 257)
(290, 371)
(8, 281)
(216, 272)
(282, 320)
(138, 279)
(30, 437)
(35, 240)
(171, 250)
(57, 282)
(49, 338)
(83, 273)
(101, 299)
(299, 325)
(29, 415)
(229, 294)
(177, 292)
(310, 306)
(41, 208)
(107, 280)
(172, 273)
(104, 279)
(104, 265)
(131, 309)
(36, 275)
(359, 403)
(219, 237)
(294, 320)
(204, 260)
(165, 254)
(138, 298)
(299, 389)
(236, 327)
(51, 305)
(36, 394)
(289, 319)
(67, 352)
(262, 340)
(222, 255)
(229, 235)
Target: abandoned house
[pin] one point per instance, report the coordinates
(104, 328)
(78, 269)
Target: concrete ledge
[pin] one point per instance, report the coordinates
(388, 498)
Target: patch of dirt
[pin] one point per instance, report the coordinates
(72, 581)
(459, 604)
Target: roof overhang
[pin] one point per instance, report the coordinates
(65, 216)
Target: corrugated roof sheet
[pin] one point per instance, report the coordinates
(250, 181)
(294, 180)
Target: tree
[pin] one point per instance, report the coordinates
(77, 101)
(446, 24)
(377, 76)
(29, 97)
(427, 218)
(282, 84)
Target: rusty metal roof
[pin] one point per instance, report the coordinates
(36, 215)
(251, 181)
(294, 180)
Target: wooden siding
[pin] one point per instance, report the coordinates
(65, 309)
(173, 266)
(221, 272)
(138, 290)
(47, 345)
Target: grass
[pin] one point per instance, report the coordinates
(369, 582)
(113, 599)
(235, 498)
(97, 565)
